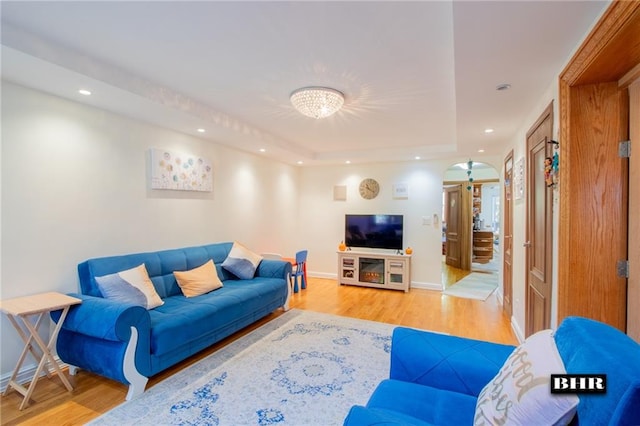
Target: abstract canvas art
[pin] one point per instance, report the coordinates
(179, 171)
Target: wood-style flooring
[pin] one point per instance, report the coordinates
(94, 395)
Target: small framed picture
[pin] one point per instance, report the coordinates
(400, 191)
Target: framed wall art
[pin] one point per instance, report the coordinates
(180, 171)
(400, 191)
(518, 180)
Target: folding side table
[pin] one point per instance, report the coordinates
(38, 307)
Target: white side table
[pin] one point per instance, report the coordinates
(37, 306)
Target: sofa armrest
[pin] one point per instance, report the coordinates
(445, 362)
(108, 338)
(104, 318)
(272, 268)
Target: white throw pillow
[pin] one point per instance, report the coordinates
(520, 393)
(132, 286)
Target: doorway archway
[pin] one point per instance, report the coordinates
(470, 207)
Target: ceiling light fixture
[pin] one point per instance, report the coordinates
(317, 102)
(488, 130)
(84, 92)
(201, 130)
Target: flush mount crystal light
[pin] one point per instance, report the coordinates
(317, 102)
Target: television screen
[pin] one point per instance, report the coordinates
(382, 231)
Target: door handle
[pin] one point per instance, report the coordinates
(527, 244)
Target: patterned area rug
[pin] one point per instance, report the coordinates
(476, 285)
(303, 368)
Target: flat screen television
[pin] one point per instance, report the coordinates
(381, 231)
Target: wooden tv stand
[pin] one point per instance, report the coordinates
(391, 271)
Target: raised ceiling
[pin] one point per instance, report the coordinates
(419, 78)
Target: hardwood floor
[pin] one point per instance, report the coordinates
(94, 395)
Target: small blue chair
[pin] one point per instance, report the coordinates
(299, 270)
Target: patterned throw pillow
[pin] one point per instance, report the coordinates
(132, 286)
(200, 280)
(520, 393)
(241, 262)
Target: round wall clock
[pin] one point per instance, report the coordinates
(369, 188)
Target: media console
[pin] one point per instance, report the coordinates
(392, 271)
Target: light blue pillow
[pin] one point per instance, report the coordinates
(132, 286)
(241, 262)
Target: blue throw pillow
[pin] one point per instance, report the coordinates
(241, 262)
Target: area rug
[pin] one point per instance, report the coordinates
(476, 285)
(302, 368)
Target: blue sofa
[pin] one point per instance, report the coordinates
(129, 343)
(435, 379)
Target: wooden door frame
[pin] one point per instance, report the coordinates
(507, 306)
(608, 53)
(633, 284)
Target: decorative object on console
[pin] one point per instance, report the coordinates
(369, 188)
(317, 102)
(342, 246)
(132, 286)
(409, 250)
(241, 261)
(184, 172)
(200, 280)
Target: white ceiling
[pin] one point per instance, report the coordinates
(419, 77)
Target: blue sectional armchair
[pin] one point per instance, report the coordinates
(130, 343)
(438, 379)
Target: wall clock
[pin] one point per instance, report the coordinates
(369, 188)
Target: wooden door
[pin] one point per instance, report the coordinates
(507, 239)
(594, 112)
(539, 226)
(453, 218)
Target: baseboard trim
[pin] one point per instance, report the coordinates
(322, 275)
(414, 284)
(517, 330)
(426, 286)
(26, 374)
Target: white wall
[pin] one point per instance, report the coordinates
(322, 218)
(75, 185)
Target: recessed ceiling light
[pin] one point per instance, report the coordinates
(300, 162)
(201, 130)
(417, 157)
(481, 150)
(488, 130)
(348, 162)
(503, 86)
(84, 92)
(263, 150)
